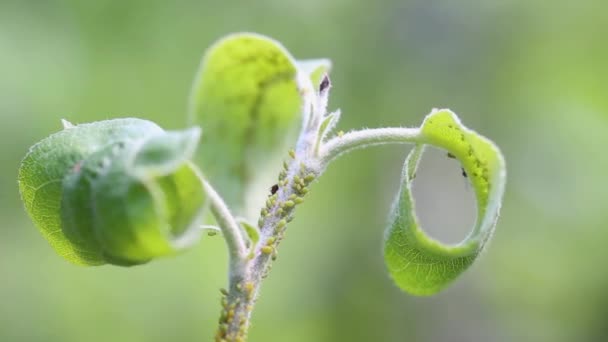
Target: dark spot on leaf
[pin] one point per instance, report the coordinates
(451, 156)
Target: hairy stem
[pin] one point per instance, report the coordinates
(238, 300)
(364, 138)
(299, 171)
(233, 234)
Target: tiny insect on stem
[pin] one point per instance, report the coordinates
(274, 189)
(324, 83)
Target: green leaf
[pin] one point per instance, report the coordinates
(327, 125)
(419, 264)
(252, 232)
(246, 98)
(118, 191)
(162, 153)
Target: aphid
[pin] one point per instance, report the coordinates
(464, 173)
(274, 189)
(324, 83)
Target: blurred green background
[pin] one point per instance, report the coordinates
(531, 75)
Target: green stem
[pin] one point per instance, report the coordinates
(365, 138)
(232, 232)
(293, 184)
(245, 284)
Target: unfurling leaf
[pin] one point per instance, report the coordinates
(118, 191)
(246, 97)
(419, 264)
(253, 233)
(314, 68)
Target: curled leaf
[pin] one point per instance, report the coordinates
(246, 97)
(419, 264)
(118, 191)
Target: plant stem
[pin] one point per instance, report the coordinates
(244, 286)
(231, 230)
(365, 138)
(299, 172)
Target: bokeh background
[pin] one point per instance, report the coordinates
(529, 74)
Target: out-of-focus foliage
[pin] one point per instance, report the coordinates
(529, 74)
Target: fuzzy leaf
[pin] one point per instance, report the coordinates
(118, 191)
(246, 97)
(327, 125)
(419, 264)
(252, 232)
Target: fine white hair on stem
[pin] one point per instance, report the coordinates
(364, 138)
(231, 230)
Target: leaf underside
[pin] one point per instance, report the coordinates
(118, 191)
(417, 263)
